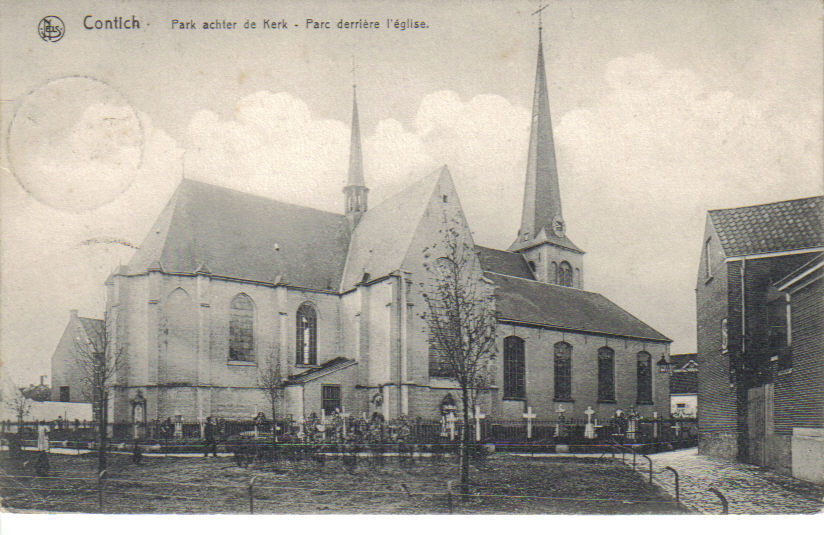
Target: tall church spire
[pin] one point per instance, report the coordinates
(355, 192)
(542, 197)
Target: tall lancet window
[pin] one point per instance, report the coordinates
(514, 368)
(242, 329)
(565, 274)
(644, 377)
(307, 335)
(563, 371)
(606, 374)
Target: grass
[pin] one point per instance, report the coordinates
(501, 484)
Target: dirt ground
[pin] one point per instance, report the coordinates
(501, 484)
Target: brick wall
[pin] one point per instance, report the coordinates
(800, 401)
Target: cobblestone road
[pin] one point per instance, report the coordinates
(748, 489)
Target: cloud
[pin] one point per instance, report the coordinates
(274, 146)
(641, 167)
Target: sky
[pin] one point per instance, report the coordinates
(661, 111)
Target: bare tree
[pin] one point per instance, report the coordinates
(20, 405)
(461, 319)
(270, 379)
(99, 362)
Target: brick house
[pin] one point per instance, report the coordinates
(227, 281)
(744, 400)
(67, 376)
(684, 385)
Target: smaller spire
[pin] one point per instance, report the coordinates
(355, 191)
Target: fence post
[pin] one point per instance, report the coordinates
(650, 466)
(724, 505)
(252, 495)
(100, 490)
(633, 457)
(449, 495)
(671, 469)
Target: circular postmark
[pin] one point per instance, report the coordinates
(75, 143)
(51, 29)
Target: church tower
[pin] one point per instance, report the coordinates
(542, 238)
(355, 192)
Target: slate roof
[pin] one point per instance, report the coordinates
(768, 228)
(383, 235)
(233, 234)
(504, 262)
(95, 329)
(554, 306)
(337, 363)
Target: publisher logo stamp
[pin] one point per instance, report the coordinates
(51, 29)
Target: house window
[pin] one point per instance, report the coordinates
(565, 274)
(707, 267)
(241, 329)
(563, 371)
(307, 335)
(514, 368)
(606, 374)
(330, 398)
(644, 377)
(725, 336)
(64, 393)
(777, 323)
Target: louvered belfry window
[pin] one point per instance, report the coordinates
(606, 374)
(514, 368)
(241, 329)
(307, 335)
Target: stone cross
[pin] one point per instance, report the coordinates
(450, 423)
(529, 415)
(478, 417)
(344, 416)
(655, 424)
(589, 428)
(560, 411)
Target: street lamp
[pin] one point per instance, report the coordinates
(663, 365)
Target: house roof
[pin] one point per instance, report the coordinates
(94, 329)
(383, 235)
(682, 359)
(802, 273)
(768, 228)
(234, 234)
(553, 306)
(504, 262)
(337, 363)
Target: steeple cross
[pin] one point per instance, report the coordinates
(540, 14)
(354, 78)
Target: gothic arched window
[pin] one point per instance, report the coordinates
(565, 274)
(563, 371)
(306, 342)
(514, 368)
(644, 377)
(242, 329)
(606, 374)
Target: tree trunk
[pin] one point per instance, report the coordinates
(465, 439)
(101, 439)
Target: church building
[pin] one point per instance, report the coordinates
(227, 283)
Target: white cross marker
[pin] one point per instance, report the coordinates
(589, 429)
(529, 415)
(450, 422)
(478, 417)
(655, 424)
